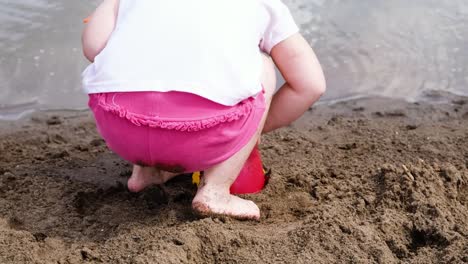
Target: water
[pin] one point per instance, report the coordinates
(40, 55)
(393, 48)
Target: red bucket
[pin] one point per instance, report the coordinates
(252, 177)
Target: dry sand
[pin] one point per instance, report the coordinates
(351, 183)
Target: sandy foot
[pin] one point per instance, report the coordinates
(143, 177)
(210, 202)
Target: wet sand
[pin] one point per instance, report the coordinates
(366, 181)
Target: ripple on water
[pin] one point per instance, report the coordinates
(26, 15)
(17, 111)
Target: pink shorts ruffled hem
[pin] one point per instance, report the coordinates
(174, 131)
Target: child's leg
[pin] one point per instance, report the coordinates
(143, 177)
(213, 196)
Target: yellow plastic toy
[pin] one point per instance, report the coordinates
(251, 179)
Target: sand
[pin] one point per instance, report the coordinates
(350, 183)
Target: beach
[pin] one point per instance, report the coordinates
(375, 172)
(362, 181)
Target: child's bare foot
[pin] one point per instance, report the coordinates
(212, 201)
(143, 177)
(213, 196)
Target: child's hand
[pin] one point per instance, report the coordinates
(305, 82)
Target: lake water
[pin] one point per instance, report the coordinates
(393, 48)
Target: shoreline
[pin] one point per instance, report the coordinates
(368, 180)
(436, 97)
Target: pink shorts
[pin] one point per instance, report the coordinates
(174, 131)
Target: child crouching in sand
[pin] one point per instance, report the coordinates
(182, 85)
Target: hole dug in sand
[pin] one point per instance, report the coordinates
(424, 238)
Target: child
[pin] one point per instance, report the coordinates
(183, 85)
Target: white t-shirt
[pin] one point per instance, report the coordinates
(211, 48)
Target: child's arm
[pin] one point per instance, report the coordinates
(99, 28)
(305, 82)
